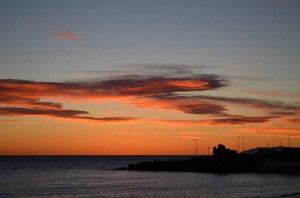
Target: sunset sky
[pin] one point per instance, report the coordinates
(134, 77)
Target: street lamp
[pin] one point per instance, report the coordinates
(288, 139)
(238, 149)
(196, 140)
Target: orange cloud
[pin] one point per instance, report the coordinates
(73, 115)
(29, 102)
(9, 120)
(272, 132)
(295, 120)
(275, 94)
(239, 119)
(181, 123)
(66, 35)
(191, 135)
(23, 97)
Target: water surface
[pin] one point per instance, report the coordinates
(94, 177)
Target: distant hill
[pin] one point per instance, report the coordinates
(264, 150)
(258, 160)
(278, 153)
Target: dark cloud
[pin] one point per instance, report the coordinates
(62, 113)
(156, 70)
(232, 120)
(202, 109)
(37, 111)
(29, 102)
(274, 107)
(159, 85)
(168, 68)
(249, 101)
(295, 120)
(133, 85)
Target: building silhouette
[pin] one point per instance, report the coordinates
(221, 150)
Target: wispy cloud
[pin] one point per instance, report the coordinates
(66, 35)
(239, 119)
(10, 120)
(204, 108)
(282, 2)
(272, 131)
(294, 120)
(192, 135)
(61, 113)
(28, 102)
(275, 94)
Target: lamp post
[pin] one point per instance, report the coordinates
(243, 143)
(288, 139)
(196, 140)
(238, 149)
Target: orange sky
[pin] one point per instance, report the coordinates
(148, 77)
(155, 115)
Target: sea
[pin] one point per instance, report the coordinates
(96, 176)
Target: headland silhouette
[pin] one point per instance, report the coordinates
(284, 160)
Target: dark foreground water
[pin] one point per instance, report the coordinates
(94, 177)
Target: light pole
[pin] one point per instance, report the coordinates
(243, 143)
(196, 140)
(288, 139)
(238, 149)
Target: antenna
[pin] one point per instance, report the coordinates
(208, 148)
(280, 143)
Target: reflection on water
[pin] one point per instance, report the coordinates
(91, 177)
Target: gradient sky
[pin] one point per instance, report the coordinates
(147, 77)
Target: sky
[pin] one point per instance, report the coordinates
(132, 77)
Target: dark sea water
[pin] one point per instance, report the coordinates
(95, 177)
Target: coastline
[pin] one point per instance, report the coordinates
(226, 164)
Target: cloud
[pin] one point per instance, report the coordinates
(192, 135)
(239, 119)
(273, 107)
(218, 107)
(128, 86)
(9, 120)
(281, 2)
(180, 94)
(61, 113)
(294, 120)
(37, 111)
(24, 97)
(227, 121)
(202, 109)
(272, 131)
(29, 102)
(275, 94)
(181, 123)
(66, 35)
(156, 85)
